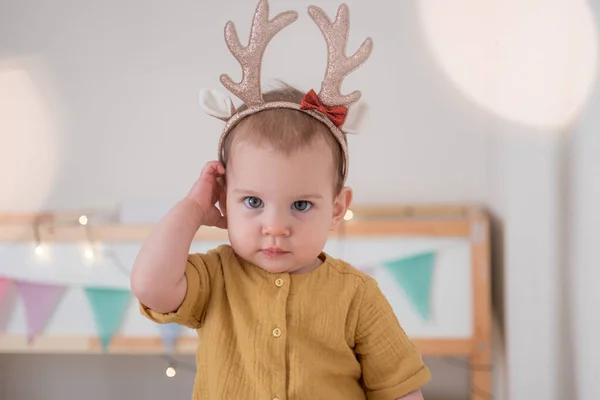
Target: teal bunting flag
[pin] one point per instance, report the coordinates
(414, 275)
(109, 307)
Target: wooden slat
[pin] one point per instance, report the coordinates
(25, 218)
(137, 233)
(449, 228)
(91, 345)
(102, 233)
(59, 217)
(481, 377)
(185, 345)
(361, 210)
(148, 345)
(421, 211)
(412, 211)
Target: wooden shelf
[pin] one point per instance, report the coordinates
(137, 233)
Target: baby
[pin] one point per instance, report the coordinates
(277, 317)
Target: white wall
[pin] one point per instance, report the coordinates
(98, 105)
(584, 221)
(120, 85)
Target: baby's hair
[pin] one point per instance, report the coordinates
(286, 130)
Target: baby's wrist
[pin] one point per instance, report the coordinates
(194, 211)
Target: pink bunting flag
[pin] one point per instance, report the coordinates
(40, 301)
(4, 286)
(367, 269)
(6, 300)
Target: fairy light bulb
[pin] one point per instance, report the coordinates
(83, 220)
(171, 371)
(349, 215)
(39, 250)
(89, 253)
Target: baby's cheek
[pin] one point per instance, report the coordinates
(240, 224)
(237, 224)
(241, 239)
(314, 235)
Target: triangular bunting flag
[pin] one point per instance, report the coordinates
(170, 333)
(367, 269)
(40, 300)
(5, 302)
(414, 275)
(109, 307)
(5, 283)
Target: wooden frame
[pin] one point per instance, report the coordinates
(444, 221)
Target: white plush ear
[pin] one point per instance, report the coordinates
(355, 118)
(216, 103)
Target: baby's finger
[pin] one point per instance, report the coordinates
(222, 223)
(211, 167)
(220, 168)
(210, 172)
(217, 166)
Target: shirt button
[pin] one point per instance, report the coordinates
(279, 282)
(276, 332)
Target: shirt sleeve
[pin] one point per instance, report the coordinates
(193, 308)
(392, 366)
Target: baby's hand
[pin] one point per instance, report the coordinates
(207, 192)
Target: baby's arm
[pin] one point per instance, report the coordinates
(392, 367)
(416, 395)
(158, 274)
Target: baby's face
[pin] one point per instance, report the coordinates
(280, 208)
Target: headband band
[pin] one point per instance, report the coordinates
(328, 106)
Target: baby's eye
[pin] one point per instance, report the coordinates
(253, 202)
(302, 205)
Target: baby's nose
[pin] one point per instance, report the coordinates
(276, 226)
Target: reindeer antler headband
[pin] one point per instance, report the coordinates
(328, 106)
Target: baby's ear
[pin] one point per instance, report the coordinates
(340, 206)
(355, 118)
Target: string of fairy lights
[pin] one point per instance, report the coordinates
(91, 252)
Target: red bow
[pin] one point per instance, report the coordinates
(337, 114)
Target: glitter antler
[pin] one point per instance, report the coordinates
(250, 57)
(338, 65)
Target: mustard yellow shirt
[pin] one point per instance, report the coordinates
(327, 334)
